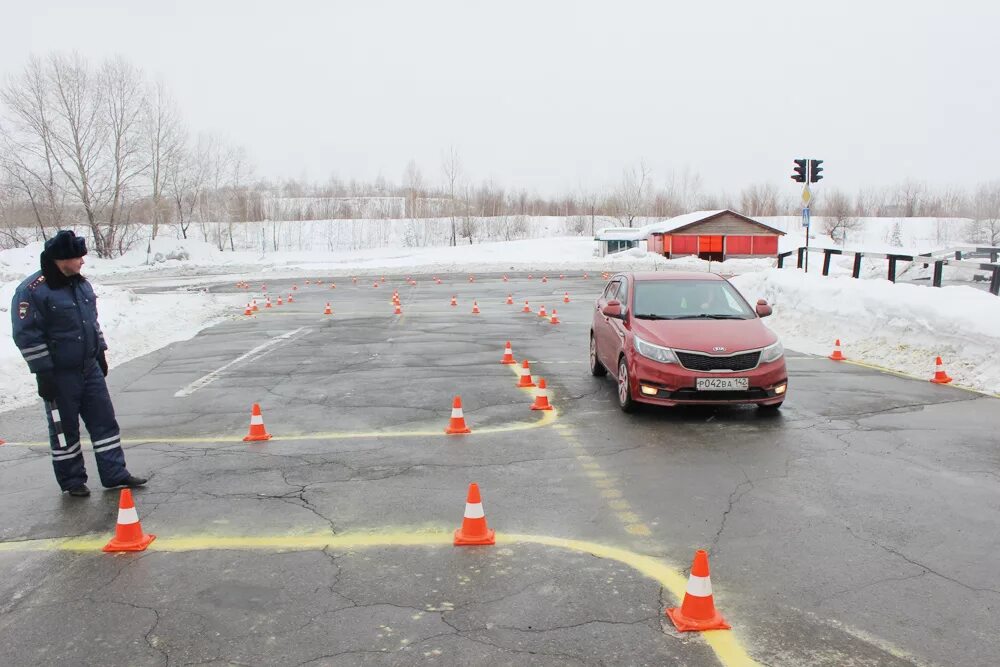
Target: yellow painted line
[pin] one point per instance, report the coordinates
(907, 376)
(723, 643)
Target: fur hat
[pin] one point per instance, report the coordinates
(65, 245)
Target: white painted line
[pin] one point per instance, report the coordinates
(257, 351)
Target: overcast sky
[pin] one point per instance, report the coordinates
(563, 95)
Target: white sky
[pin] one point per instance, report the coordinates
(559, 95)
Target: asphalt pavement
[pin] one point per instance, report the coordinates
(856, 527)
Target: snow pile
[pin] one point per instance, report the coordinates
(897, 326)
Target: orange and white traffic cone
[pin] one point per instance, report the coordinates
(837, 355)
(254, 307)
(398, 310)
(328, 310)
(474, 530)
(294, 287)
(530, 276)
(249, 310)
(510, 299)
(698, 612)
(508, 355)
(454, 300)
(542, 313)
(128, 531)
(267, 303)
(555, 317)
(291, 299)
(354, 280)
(545, 279)
(586, 277)
(527, 308)
(437, 281)
(525, 380)
(280, 301)
(541, 396)
(475, 308)
(565, 297)
(562, 276)
(375, 285)
(940, 376)
(333, 285)
(307, 282)
(257, 431)
(505, 277)
(457, 423)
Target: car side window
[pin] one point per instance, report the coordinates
(623, 293)
(610, 290)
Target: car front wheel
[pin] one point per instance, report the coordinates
(597, 369)
(625, 401)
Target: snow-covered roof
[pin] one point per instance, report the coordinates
(681, 221)
(622, 234)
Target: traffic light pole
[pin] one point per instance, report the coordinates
(806, 223)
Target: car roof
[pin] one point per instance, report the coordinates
(673, 275)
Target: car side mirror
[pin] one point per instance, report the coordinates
(763, 310)
(613, 309)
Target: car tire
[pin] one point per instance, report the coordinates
(625, 401)
(770, 409)
(597, 369)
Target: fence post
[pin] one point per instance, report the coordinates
(856, 273)
(781, 261)
(938, 272)
(995, 282)
(892, 268)
(993, 256)
(802, 254)
(958, 255)
(826, 262)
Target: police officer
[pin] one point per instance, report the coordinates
(55, 327)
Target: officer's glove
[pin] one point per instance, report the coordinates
(46, 386)
(102, 361)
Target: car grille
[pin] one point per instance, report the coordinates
(705, 362)
(710, 396)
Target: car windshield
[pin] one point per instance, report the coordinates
(689, 299)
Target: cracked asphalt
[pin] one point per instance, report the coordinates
(858, 527)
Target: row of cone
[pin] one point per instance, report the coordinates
(940, 375)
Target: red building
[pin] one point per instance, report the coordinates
(713, 235)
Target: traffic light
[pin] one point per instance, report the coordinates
(815, 171)
(801, 169)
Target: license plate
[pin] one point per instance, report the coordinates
(722, 384)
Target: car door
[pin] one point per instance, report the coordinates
(604, 334)
(616, 328)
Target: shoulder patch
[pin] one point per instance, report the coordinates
(36, 282)
(22, 310)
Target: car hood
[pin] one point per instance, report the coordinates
(705, 335)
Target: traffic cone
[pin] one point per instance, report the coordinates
(255, 308)
(940, 377)
(291, 299)
(128, 531)
(263, 287)
(472, 279)
(307, 282)
(457, 424)
(267, 304)
(354, 280)
(565, 297)
(542, 313)
(294, 287)
(510, 299)
(328, 310)
(545, 279)
(333, 285)
(562, 276)
(527, 308)
(454, 300)
(280, 301)
(257, 430)
(437, 281)
(508, 355)
(837, 354)
(474, 530)
(375, 284)
(249, 310)
(586, 277)
(398, 310)
(698, 612)
(525, 380)
(475, 308)
(555, 318)
(505, 277)
(541, 396)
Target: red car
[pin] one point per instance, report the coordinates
(685, 339)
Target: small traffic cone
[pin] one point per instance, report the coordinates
(565, 297)
(398, 310)
(128, 531)
(280, 301)
(698, 612)
(529, 276)
(257, 430)
(555, 317)
(291, 299)
(525, 380)
(254, 304)
(354, 280)
(457, 424)
(527, 308)
(294, 287)
(328, 310)
(267, 304)
(472, 279)
(474, 530)
(475, 308)
(562, 276)
(263, 288)
(249, 310)
(837, 355)
(545, 279)
(508, 355)
(437, 281)
(333, 285)
(307, 282)
(541, 396)
(940, 376)
(454, 300)
(375, 284)
(586, 277)
(542, 313)
(510, 299)
(505, 277)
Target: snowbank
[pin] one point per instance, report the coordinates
(897, 326)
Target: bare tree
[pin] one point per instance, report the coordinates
(986, 212)
(165, 141)
(451, 167)
(631, 194)
(413, 182)
(761, 199)
(837, 210)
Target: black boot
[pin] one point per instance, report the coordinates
(79, 491)
(133, 482)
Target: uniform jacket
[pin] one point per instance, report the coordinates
(55, 321)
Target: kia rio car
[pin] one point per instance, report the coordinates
(685, 339)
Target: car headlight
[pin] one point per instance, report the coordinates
(772, 353)
(655, 352)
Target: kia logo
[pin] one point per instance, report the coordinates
(718, 348)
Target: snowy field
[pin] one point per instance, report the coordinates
(901, 327)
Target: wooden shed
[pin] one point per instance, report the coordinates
(713, 235)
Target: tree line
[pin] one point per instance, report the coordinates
(104, 147)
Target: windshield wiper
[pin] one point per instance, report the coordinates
(704, 316)
(650, 316)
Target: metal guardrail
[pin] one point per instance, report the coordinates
(940, 259)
